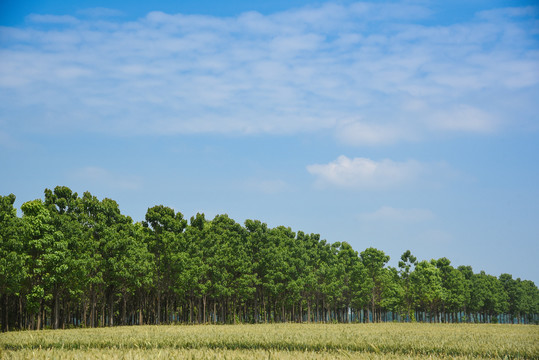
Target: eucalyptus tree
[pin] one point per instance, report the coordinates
(94, 227)
(68, 255)
(12, 259)
(426, 286)
(392, 296)
(47, 250)
(231, 267)
(406, 265)
(128, 265)
(352, 275)
(257, 239)
(63, 208)
(529, 303)
(196, 281)
(488, 295)
(274, 259)
(374, 261)
(467, 273)
(455, 291)
(311, 264)
(164, 235)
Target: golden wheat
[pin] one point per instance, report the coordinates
(279, 341)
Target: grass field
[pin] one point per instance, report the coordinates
(278, 341)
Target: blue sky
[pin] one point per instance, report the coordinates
(399, 125)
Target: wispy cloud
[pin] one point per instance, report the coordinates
(361, 133)
(465, 119)
(294, 71)
(363, 173)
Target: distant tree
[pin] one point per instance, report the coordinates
(374, 261)
(164, 229)
(406, 266)
(12, 258)
(453, 286)
(426, 286)
(73, 260)
(47, 250)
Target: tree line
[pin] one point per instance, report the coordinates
(77, 261)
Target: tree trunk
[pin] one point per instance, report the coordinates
(111, 308)
(5, 313)
(158, 317)
(373, 307)
(191, 309)
(103, 314)
(204, 309)
(56, 310)
(308, 311)
(140, 318)
(92, 309)
(39, 314)
(124, 309)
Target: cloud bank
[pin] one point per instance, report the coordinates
(370, 73)
(363, 173)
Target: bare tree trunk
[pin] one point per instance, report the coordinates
(92, 309)
(111, 309)
(103, 314)
(309, 311)
(158, 318)
(56, 310)
(204, 311)
(124, 310)
(191, 309)
(140, 318)
(5, 313)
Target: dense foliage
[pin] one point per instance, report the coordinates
(78, 261)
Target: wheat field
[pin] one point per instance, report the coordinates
(278, 341)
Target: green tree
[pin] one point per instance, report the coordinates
(406, 266)
(426, 286)
(374, 261)
(47, 250)
(165, 228)
(453, 286)
(12, 258)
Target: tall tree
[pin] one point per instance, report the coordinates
(164, 233)
(406, 266)
(374, 261)
(426, 286)
(12, 258)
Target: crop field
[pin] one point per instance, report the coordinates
(278, 341)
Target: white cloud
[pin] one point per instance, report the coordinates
(391, 214)
(295, 71)
(362, 173)
(360, 133)
(464, 118)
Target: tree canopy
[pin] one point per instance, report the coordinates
(73, 261)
